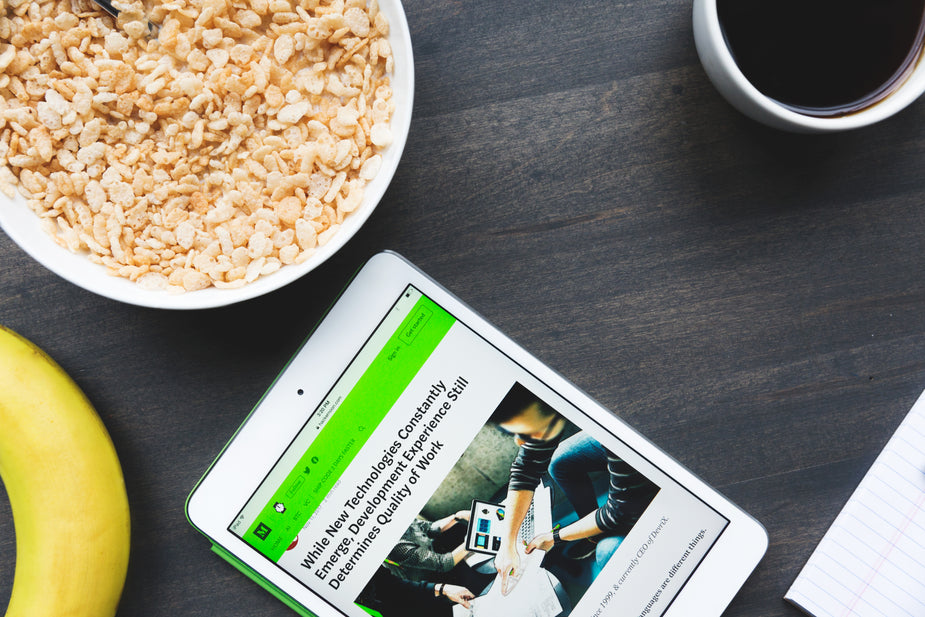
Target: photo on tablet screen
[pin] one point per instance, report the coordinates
(569, 478)
(437, 460)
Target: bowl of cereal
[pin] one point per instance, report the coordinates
(221, 160)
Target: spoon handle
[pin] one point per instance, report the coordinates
(107, 6)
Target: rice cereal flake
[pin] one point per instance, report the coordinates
(233, 144)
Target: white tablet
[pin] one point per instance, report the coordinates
(348, 488)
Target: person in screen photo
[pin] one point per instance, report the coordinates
(424, 573)
(540, 433)
(434, 551)
(392, 596)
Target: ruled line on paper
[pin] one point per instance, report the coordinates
(871, 561)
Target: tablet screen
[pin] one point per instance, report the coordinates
(370, 504)
(484, 527)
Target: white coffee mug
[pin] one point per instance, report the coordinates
(725, 74)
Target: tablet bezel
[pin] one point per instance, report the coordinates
(309, 375)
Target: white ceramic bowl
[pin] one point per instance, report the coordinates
(722, 70)
(22, 225)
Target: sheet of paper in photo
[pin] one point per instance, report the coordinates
(534, 594)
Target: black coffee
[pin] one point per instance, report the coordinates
(824, 57)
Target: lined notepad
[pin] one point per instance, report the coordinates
(871, 561)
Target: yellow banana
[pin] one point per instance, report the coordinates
(66, 490)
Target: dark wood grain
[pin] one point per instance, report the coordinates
(753, 301)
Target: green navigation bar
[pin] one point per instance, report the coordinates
(347, 431)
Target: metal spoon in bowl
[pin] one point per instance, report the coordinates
(106, 5)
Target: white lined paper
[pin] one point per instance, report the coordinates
(871, 561)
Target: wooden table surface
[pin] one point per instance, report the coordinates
(752, 301)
